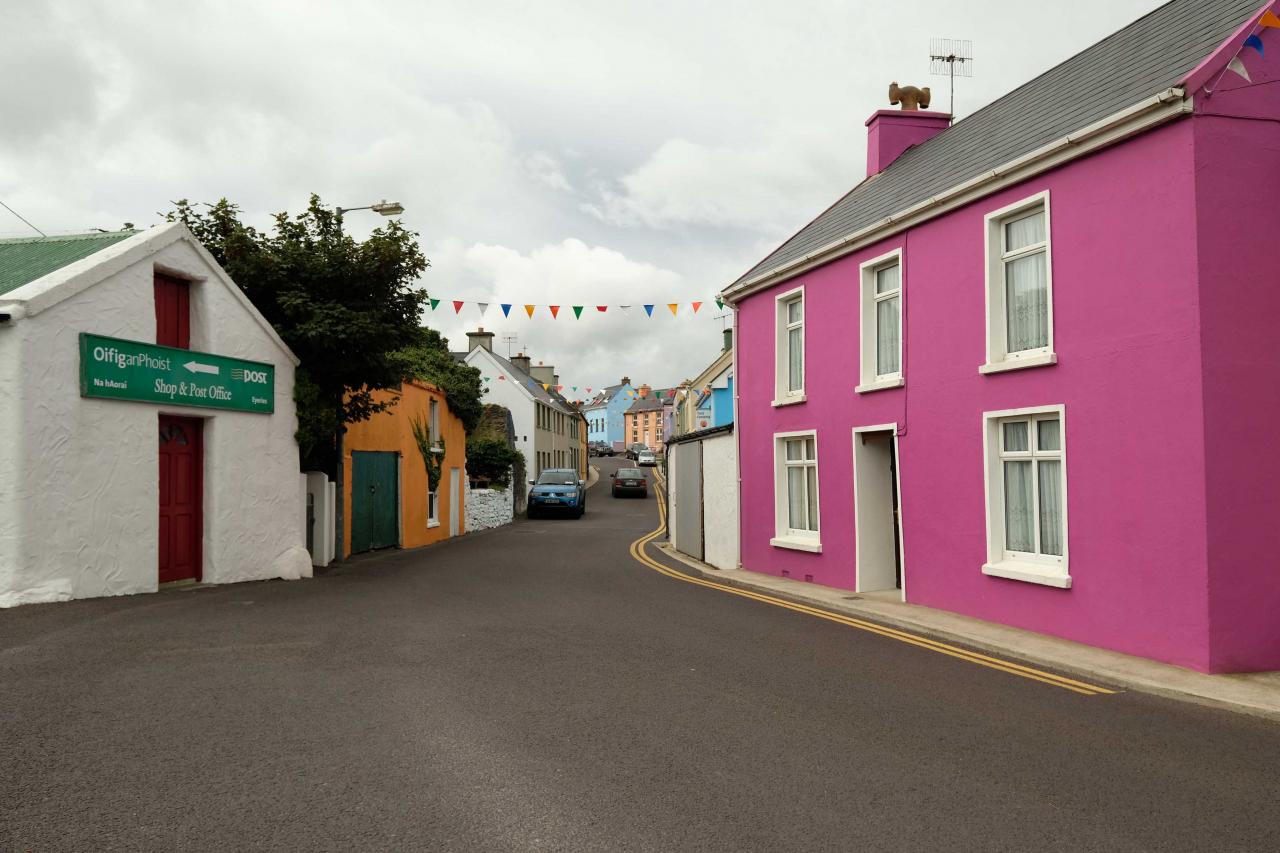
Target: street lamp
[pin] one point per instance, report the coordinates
(386, 208)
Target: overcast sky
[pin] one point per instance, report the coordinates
(547, 152)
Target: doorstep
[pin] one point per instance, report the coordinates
(1256, 693)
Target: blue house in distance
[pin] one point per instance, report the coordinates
(604, 413)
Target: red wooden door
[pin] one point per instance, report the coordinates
(181, 492)
(173, 312)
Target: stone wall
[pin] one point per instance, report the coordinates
(487, 508)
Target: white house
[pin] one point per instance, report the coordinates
(148, 421)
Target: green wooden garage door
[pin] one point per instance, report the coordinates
(375, 500)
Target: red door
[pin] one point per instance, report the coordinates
(181, 491)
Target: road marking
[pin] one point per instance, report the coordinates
(1082, 687)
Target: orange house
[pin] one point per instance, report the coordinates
(389, 501)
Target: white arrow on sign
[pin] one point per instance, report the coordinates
(197, 367)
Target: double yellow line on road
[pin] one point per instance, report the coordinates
(638, 552)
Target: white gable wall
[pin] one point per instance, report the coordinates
(508, 393)
(79, 512)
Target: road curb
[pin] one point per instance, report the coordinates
(1256, 695)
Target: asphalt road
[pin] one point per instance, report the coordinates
(535, 688)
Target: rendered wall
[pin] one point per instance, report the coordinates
(720, 501)
(392, 431)
(506, 393)
(1126, 328)
(1237, 184)
(79, 497)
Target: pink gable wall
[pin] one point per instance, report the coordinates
(1127, 335)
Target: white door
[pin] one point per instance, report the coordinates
(455, 499)
(876, 534)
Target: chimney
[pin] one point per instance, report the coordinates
(544, 373)
(728, 340)
(643, 391)
(480, 338)
(891, 132)
(521, 361)
(626, 380)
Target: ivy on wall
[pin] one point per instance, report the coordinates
(432, 456)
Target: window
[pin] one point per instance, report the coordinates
(1019, 287)
(433, 508)
(880, 327)
(789, 387)
(1027, 495)
(796, 491)
(435, 423)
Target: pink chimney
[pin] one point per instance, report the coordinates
(890, 132)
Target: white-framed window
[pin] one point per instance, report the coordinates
(880, 325)
(789, 386)
(434, 422)
(433, 508)
(1019, 285)
(795, 490)
(1026, 488)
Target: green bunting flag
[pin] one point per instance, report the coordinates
(577, 312)
(435, 303)
(719, 303)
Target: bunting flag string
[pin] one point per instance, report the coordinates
(531, 309)
(1268, 20)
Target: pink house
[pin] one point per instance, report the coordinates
(1028, 369)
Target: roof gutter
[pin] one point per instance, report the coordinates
(1170, 104)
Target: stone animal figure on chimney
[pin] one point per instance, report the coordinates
(911, 97)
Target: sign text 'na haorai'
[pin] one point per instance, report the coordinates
(116, 369)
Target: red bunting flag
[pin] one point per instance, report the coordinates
(696, 306)
(555, 311)
(602, 308)
(457, 306)
(559, 388)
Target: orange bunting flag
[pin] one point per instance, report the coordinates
(696, 306)
(674, 306)
(1269, 19)
(528, 309)
(546, 387)
(457, 306)
(555, 311)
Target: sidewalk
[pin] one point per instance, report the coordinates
(1257, 694)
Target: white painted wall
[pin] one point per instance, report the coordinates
(720, 501)
(488, 508)
(78, 477)
(508, 393)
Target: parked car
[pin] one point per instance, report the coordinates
(630, 481)
(602, 448)
(647, 457)
(634, 450)
(558, 490)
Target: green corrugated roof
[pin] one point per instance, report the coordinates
(24, 260)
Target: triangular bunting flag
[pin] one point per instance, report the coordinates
(559, 388)
(506, 309)
(1237, 66)
(528, 309)
(577, 312)
(575, 389)
(602, 308)
(457, 306)
(435, 303)
(648, 309)
(555, 311)
(1269, 19)
(696, 306)
(626, 309)
(1254, 42)
(486, 379)
(719, 303)
(501, 377)
(674, 306)
(546, 387)
(483, 306)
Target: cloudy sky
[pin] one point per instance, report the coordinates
(547, 152)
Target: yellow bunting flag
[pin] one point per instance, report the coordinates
(528, 309)
(674, 306)
(546, 387)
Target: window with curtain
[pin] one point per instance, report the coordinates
(1024, 244)
(790, 346)
(887, 300)
(800, 470)
(1033, 494)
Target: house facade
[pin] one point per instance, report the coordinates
(707, 400)
(400, 493)
(605, 413)
(149, 422)
(1024, 371)
(550, 432)
(644, 419)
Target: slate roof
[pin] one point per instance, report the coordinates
(26, 259)
(651, 403)
(603, 396)
(1145, 58)
(533, 386)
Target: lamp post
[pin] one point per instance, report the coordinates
(385, 208)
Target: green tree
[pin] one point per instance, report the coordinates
(347, 308)
(429, 359)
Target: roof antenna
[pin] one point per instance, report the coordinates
(509, 340)
(20, 216)
(949, 57)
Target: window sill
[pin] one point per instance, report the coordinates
(880, 385)
(789, 401)
(1029, 572)
(431, 524)
(795, 543)
(1038, 360)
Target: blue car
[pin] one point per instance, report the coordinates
(558, 490)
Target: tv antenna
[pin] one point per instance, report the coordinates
(509, 340)
(949, 57)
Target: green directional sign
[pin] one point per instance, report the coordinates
(116, 369)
